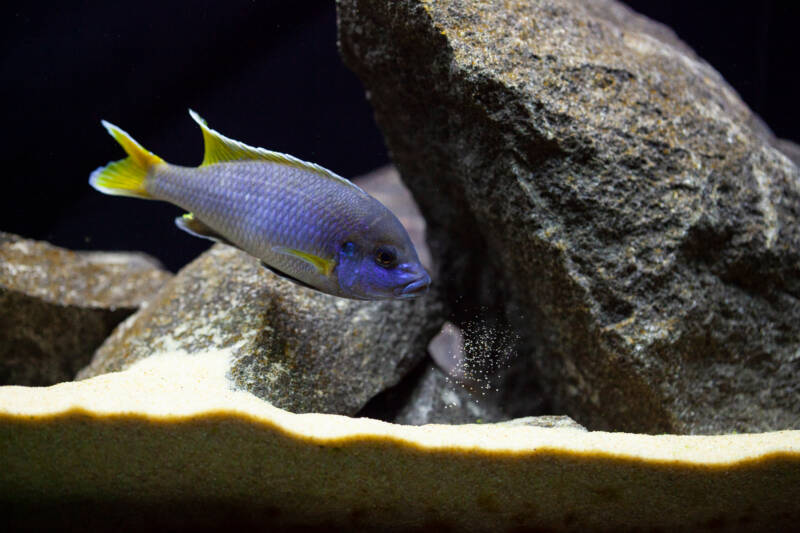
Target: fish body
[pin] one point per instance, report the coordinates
(301, 220)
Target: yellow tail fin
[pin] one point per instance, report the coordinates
(127, 176)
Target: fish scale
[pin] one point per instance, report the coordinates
(298, 218)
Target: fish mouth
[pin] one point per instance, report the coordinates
(413, 289)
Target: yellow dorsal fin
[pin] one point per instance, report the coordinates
(219, 148)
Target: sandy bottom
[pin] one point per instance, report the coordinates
(169, 442)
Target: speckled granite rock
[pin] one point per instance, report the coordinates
(545, 421)
(581, 168)
(456, 387)
(296, 348)
(452, 386)
(439, 399)
(427, 395)
(57, 306)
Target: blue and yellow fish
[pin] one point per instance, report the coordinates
(301, 220)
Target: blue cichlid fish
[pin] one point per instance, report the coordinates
(302, 221)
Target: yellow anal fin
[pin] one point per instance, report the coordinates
(323, 266)
(127, 176)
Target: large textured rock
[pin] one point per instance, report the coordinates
(57, 306)
(459, 384)
(583, 169)
(439, 399)
(428, 395)
(299, 349)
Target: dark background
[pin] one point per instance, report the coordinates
(263, 72)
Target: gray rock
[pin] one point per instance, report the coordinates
(57, 306)
(447, 350)
(545, 421)
(584, 171)
(458, 384)
(440, 399)
(299, 349)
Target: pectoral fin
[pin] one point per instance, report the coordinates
(284, 275)
(323, 266)
(191, 224)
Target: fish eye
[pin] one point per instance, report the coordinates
(385, 256)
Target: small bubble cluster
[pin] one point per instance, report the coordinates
(475, 354)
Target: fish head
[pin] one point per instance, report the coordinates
(380, 262)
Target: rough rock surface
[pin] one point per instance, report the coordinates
(438, 399)
(460, 383)
(57, 306)
(545, 421)
(582, 169)
(299, 349)
(427, 395)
